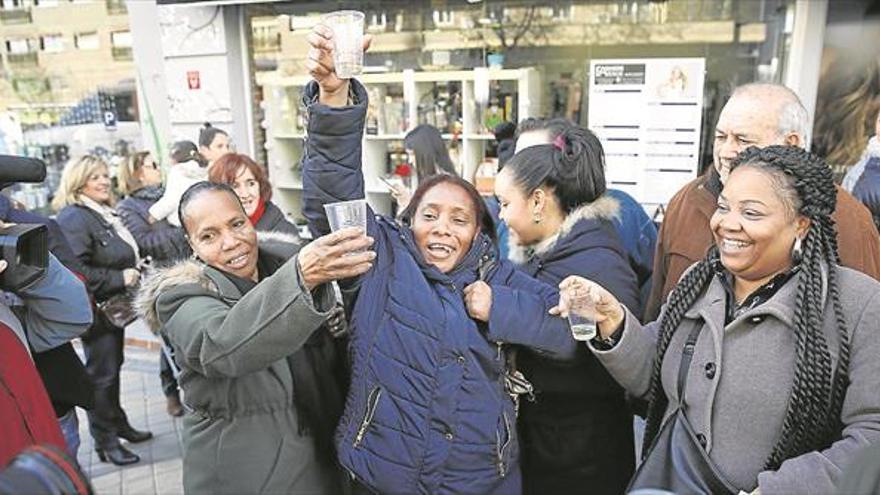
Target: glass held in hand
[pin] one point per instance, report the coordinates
(582, 318)
(348, 40)
(346, 214)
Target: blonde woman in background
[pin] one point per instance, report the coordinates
(109, 256)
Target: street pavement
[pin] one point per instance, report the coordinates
(160, 470)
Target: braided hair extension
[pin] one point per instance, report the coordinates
(812, 418)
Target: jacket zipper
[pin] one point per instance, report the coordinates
(502, 447)
(372, 402)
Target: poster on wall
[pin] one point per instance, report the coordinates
(647, 113)
(197, 90)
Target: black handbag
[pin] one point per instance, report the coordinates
(677, 461)
(118, 308)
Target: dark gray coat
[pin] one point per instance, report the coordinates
(739, 401)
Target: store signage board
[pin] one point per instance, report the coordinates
(647, 113)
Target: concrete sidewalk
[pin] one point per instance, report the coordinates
(159, 470)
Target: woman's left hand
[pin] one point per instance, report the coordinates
(478, 300)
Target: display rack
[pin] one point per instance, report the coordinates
(399, 102)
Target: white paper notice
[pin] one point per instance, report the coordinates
(647, 113)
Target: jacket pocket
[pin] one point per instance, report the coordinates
(503, 439)
(372, 403)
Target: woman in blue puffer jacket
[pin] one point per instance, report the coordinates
(428, 410)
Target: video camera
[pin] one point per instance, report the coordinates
(24, 247)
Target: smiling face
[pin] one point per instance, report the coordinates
(516, 209)
(247, 188)
(221, 235)
(444, 225)
(97, 186)
(745, 121)
(219, 146)
(754, 228)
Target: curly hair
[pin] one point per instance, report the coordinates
(812, 417)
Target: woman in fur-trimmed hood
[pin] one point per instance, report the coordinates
(578, 431)
(257, 368)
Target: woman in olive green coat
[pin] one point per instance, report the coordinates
(241, 323)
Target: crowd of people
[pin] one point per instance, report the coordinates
(737, 346)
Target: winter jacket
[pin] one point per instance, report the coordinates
(273, 220)
(685, 237)
(867, 188)
(63, 373)
(242, 432)
(578, 431)
(739, 381)
(26, 415)
(638, 237)
(427, 411)
(101, 252)
(54, 310)
(180, 177)
(160, 240)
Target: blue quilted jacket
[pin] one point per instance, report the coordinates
(427, 411)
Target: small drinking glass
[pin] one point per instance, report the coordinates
(348, 40)
(347, 214)
(581, 318)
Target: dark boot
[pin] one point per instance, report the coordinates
(118, 455)
(134, 436)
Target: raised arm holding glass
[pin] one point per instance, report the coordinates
(428, 410)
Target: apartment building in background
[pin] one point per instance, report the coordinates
(55, 53)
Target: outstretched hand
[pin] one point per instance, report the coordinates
(605, 308)
(319, 62)
(339, 255)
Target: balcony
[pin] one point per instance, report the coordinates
(122, 53)
(28, 59)
(15, 16)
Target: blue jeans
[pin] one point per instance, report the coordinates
(70, 429)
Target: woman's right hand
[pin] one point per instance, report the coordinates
(607, 311)
(131, 277)
(339, 255)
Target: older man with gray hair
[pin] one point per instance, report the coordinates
(755, 115)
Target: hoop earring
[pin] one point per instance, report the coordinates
(797, 252)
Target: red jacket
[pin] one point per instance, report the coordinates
(26, 415)
(685, 237)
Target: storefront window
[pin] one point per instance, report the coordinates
(729, 42)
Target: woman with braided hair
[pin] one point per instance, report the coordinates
(782, 341)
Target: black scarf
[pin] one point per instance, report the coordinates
(318, 393)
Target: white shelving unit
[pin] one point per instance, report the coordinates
(284, 125)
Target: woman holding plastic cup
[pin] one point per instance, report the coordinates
(762, 370)
(258, 371)
(578, 431)
(427, 410)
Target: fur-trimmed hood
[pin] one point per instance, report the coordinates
(603, 208)
(193, 272)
